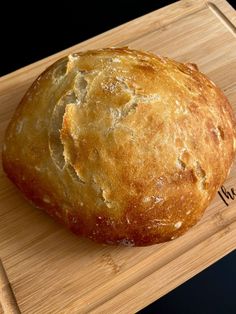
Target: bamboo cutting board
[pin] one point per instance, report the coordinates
(53, 271)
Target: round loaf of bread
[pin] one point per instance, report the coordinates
(122, 146)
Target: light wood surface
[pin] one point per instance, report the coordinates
(7, 297)
(53, 271)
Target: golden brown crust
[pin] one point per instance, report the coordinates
(121, 145)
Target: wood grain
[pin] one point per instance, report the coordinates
(53, 271)
(8, 302)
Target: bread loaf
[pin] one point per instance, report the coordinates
(122, 146)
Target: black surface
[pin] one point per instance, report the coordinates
(213, 291)
(39, 31)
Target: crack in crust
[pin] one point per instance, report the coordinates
(78, 96)
(201, 174)
(55, 145)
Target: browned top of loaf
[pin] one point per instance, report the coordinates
(122, 145)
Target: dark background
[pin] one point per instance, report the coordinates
(32, 31)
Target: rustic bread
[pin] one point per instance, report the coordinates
(122, 146)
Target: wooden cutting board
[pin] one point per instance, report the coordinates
(53, 271)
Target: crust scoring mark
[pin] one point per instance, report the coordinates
(73, 173)
(181, 164)
(130, 107)
(55, 145)
(77, 96)
(74, 96)
(101, 193)
(60, 72)
(201, 174)
(80, 88)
